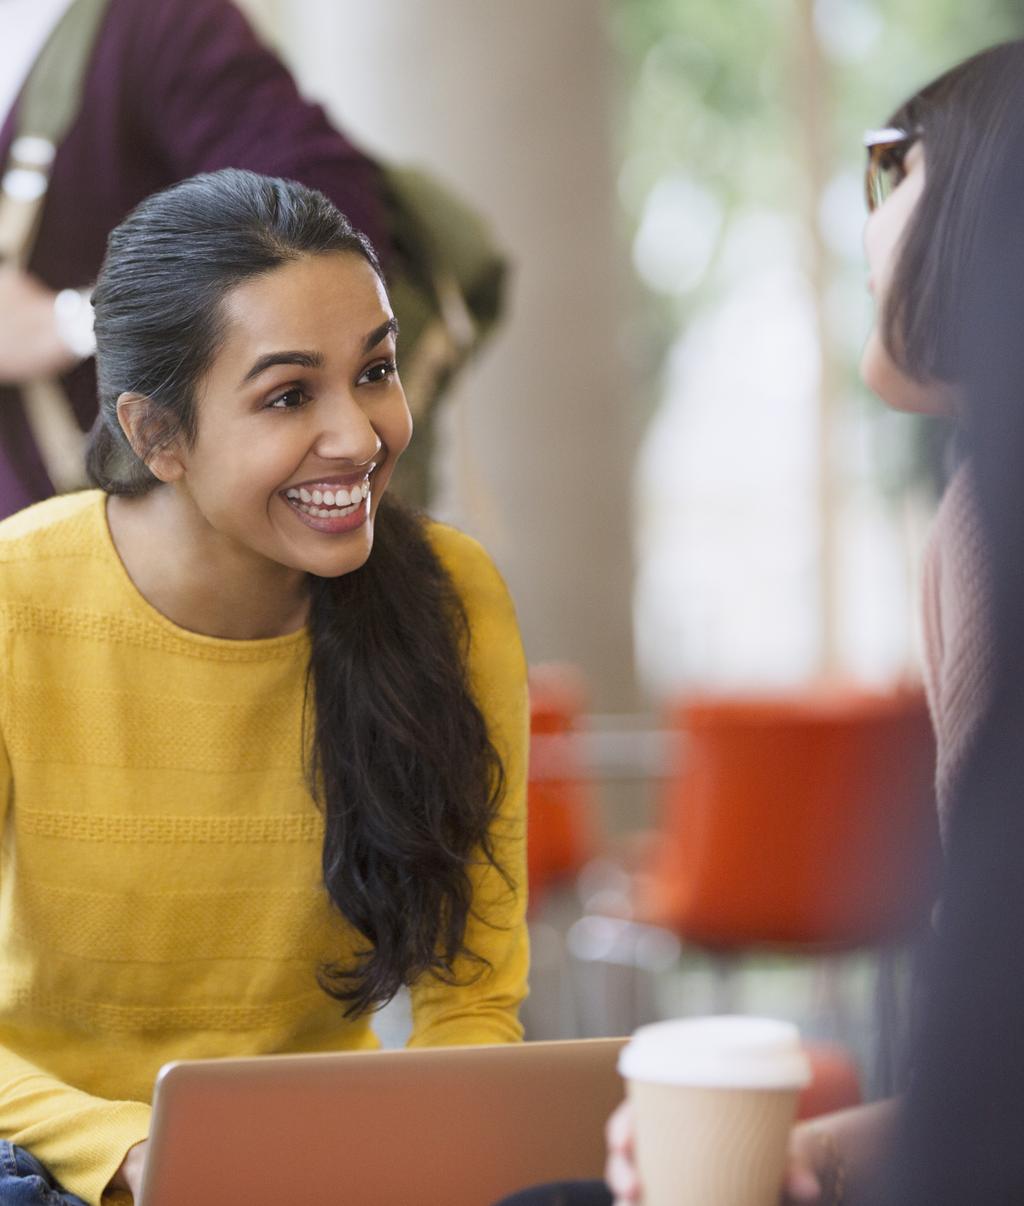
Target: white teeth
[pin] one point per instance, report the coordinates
(328, 504)
(325, 512)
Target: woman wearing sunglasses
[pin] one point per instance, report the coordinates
(926, 172)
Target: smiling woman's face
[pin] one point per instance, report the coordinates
(301, 416)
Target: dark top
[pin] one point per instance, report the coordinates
(174, 87)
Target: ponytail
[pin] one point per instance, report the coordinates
(402, 760)
(111, 462)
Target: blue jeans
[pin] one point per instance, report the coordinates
(24, 1181)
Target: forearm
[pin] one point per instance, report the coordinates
(128, 1178)
(482, 1006)
(44, 333)
(80, 1138)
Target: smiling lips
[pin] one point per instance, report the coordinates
(317, 502)
(327, 502)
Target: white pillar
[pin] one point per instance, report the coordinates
(511, 104)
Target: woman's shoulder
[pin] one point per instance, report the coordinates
(33, 540)
(58, 524)
(469, 566)
(496, 661)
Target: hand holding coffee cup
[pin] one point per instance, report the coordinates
(712, 1103)
(801, 1183)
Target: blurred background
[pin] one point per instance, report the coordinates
(666, 446)
(713, 533)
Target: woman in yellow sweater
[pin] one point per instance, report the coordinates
(263, 731)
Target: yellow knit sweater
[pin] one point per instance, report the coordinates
(160, 891)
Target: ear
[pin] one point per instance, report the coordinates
(145, 430)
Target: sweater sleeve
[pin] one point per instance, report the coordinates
(81, 1139)
(482, 1007)
(210, 95)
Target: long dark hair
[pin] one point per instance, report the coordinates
(964, 1116)
(399, 756)
(964, 119)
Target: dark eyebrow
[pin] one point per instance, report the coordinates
(312, 360)
(315, 360)
(382, 332)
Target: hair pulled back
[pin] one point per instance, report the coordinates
(398, 754)
(966, 119)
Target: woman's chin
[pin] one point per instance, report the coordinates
(337, 564)
(898, 390)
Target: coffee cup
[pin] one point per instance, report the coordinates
(713, 1102)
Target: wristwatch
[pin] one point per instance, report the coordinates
(73, 316)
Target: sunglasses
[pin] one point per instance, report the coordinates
(887, 150)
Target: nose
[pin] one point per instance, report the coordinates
(346, 433)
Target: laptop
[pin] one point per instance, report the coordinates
(446, 1126)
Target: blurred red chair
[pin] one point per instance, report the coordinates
(796, 821)
(804, 823)
(561, 799)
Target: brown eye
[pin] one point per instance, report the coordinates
(378, 372)
(290, 400)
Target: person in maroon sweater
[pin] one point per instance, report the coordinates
(173, 88)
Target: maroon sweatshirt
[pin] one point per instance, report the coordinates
(174, 87)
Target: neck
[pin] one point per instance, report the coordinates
(198, 578)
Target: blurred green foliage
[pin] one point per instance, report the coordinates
(711, 94)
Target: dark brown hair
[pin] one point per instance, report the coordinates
(964, 119)
(399, 755)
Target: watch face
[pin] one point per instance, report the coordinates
(74, 320)
(32, 151)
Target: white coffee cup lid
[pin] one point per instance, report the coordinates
(718, 1052)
